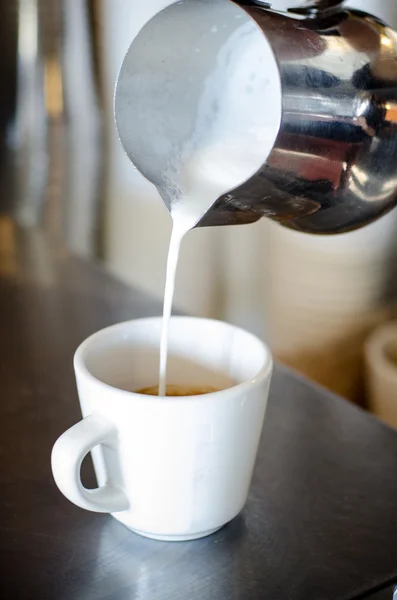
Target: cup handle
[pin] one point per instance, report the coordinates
(67, 455)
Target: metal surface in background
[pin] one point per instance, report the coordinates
(332, 166)
(50, 147)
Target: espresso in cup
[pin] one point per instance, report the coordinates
(179, 390)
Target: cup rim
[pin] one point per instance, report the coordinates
(263, 373)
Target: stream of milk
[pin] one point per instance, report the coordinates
(232, 133)
(178, 233)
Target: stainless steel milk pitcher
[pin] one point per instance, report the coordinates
(332, 165)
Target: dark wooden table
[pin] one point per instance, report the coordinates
(321, 521)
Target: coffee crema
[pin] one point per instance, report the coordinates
(179, 390)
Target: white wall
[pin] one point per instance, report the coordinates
(384, 9)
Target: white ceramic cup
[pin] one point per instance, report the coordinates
(174, 468)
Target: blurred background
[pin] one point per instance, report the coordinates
(315, 300)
